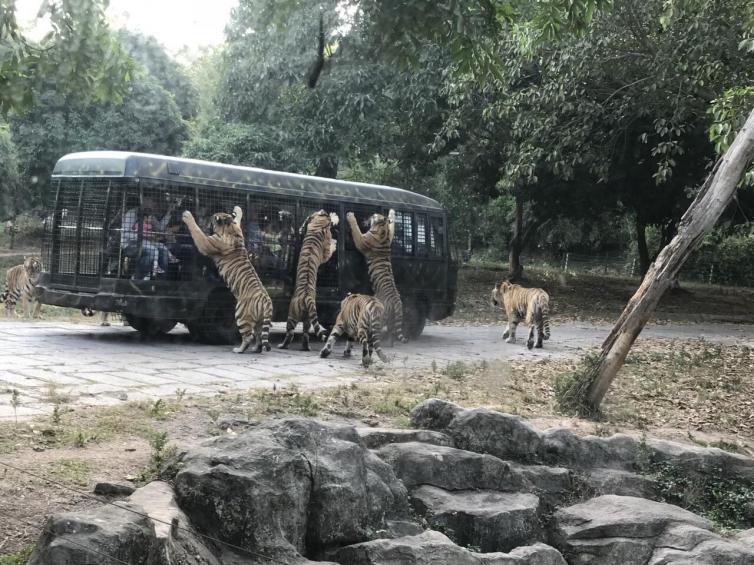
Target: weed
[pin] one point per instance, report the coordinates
(18, 558)
(434, 366)
(81, 438)
(456, 370)
(571, 388)
(53, 395)
(15, 402)
(157, 411)
(56, 415)
(161, 453)
(179, 394)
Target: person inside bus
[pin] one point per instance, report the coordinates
(151, 250)
(253, 234)
(273, 250)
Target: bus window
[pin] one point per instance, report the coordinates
(403, 242)
(421, 235)
(270, 232)
(436, 237)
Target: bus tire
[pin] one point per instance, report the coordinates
(149, 327)
(414, 318)
(217, 324)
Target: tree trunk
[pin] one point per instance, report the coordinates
(641, 246)
(515, 268)
(327, 166)
(699, 219)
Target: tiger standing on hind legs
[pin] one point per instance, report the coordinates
(317, 248)
(20, 284)
(529, 304)
(360, 318)
(227, 249)
(375, 246)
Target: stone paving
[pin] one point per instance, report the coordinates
(92, 365)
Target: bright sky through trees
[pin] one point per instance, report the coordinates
(174, 23)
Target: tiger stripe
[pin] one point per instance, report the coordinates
(20, 285)
(360, 318)
(227, 249)
(375, 246)
(317, 248)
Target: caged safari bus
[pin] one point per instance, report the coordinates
(115, 242)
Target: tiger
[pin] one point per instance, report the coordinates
(20, 284)
(375, 246)
(104, 316)
(530, 304)
(227, 249)
(317, 248)
(360, 318)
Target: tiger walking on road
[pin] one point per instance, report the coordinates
(360, 318)
(529, 304)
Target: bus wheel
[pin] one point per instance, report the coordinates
(217, 324)
(414, 318)
(149, 327)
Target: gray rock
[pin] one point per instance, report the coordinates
(634, 531)
(374, 438)
(181, 545)
(448, 468)
(234, 422)
(622, 483)
(483, 519)
(434, 414)
(552, 484)
(561, 446)
(746, 538)
(434, 548)
(89, 535)
(113, 489)
(289, 488)
(709, 461)
(502, 435)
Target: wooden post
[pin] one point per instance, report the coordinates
(699, 219)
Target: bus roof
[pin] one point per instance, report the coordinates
(143, 165)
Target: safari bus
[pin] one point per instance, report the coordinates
(115, 241)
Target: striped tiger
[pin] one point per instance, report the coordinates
(20, 283)
(375, 246)
(360, 318)
(529, 304)
(227, 249)
(317, 248)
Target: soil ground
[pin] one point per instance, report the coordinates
(686, 389)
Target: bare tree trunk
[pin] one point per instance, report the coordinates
(699, 219)
(641, 246)
(515, 268)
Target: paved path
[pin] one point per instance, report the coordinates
(92, 365)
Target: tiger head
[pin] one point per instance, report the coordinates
(32, 265)
(383, 228)
(228, 227)
(499, 290)
(319, 220)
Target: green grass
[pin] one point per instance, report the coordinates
(18, 558)
(71, 471)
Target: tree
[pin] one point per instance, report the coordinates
(585, 391)
(79, 55)
(10, 185)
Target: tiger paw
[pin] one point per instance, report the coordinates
(403, 339)
(511, 339)
(238, 349)
(324, 353)
(350, 217)
(267, 347)
(187, 216)
(347, 354)
(530, 344)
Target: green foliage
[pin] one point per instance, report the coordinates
(159, 460)
(10, 177)
(18, 558)
(79, 55)
(571, 388)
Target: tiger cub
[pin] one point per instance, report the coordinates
(360, 318)
(20, 283)
(317, 247)
(375, 246)
(529, 304)
(227, 249)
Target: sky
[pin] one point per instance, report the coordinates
(174, 23)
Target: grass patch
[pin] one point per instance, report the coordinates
(18, 558)
(571, 388)
(71, 471)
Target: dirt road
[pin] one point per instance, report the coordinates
(92, 365)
